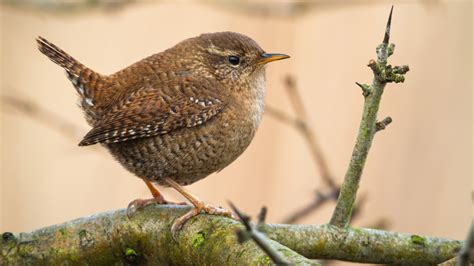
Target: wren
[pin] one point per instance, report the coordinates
(175, 117)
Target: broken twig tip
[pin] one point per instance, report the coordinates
(386, 37)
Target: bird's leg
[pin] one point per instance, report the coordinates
(199, 207)
(141, 203)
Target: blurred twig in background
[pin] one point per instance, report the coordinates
(302, 125)
(49, 119)
(14, 104)
(308, 133)
(330, 190)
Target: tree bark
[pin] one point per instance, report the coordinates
(112, 238)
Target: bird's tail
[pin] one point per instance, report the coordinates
(86, 81)
(59, 56)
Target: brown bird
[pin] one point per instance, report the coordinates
(177, 116)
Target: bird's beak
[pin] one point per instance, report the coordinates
(267, 58)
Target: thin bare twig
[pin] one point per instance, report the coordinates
(258, 237)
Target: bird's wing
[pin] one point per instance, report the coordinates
(147, 112)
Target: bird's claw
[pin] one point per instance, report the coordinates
(138, 204)
(201, 208)
(132, 208)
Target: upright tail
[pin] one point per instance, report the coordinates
(87, 82)
(59, 56)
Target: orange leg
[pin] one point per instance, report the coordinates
(141, 203)
(199, 207)
(156, 194)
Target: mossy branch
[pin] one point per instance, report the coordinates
(363, 245)
(383, 74)
(111, 237)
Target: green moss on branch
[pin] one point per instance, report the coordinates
(363, 245)
(110, 238)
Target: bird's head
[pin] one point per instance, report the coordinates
(231, 57)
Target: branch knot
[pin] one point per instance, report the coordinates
(381, 125)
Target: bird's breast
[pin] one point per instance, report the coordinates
(243, 115)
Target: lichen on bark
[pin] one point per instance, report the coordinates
(111, 238)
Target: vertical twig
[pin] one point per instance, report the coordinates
(383, 74)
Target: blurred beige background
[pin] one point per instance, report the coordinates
(419, 172)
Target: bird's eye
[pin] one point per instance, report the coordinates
(234, 60)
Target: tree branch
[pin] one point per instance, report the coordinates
(363, 245)
(111, 237)
(383, 74)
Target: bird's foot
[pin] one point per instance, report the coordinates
(199, 207)
(138, 204)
